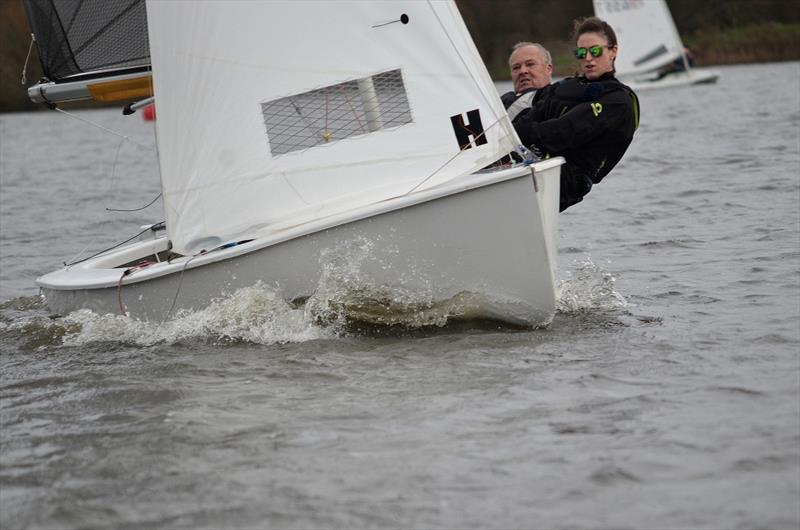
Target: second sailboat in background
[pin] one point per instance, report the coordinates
(651, 53)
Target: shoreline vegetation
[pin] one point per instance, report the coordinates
(494, 33)
(755, 43)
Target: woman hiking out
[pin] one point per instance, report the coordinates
(588, 119)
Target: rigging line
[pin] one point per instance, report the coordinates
(113, 184)
(296, 192)
(106, 129)
(24, 79)
(134, 209)
(403, 19)
(426, 179)
(350, 104)
(178, 290)
(112, 247)
(309, 126)
(464, 62)
(127, 272)
(119, 292)
(299, 112)
(108, 193)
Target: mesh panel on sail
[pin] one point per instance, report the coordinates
(335, 112)
(77, 36)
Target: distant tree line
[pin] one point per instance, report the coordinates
(496, 25)
(719, 31)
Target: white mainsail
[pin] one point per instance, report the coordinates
(271, 114)
(646, 33)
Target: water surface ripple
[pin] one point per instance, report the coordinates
(666, 393)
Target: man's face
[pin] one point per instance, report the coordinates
(529, 69)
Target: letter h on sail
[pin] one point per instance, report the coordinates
(473, 128)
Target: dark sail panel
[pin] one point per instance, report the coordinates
(82, 36)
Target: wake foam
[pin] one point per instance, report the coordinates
(255, 314)
(589, 288)
(345, 301)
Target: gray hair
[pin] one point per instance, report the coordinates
(548, 59)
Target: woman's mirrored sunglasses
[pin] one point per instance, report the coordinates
(596, 51)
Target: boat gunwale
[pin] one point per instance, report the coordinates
(694, 76)
(87, 275)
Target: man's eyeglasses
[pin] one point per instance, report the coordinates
(595, 51)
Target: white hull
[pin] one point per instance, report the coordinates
(690, 77)
(490, 234)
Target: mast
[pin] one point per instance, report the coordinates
(675, 34)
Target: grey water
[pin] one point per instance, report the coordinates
(665, 394)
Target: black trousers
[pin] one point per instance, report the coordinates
(574, 185)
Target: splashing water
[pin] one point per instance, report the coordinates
(347, 294)
(589, 288)
(256, 314)
(346, 298)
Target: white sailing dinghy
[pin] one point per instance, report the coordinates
(649, 42)
(290, 131)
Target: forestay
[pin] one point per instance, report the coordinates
(272, 114)
(647, 35)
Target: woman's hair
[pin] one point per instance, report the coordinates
(594, 25)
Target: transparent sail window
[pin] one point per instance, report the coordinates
(331, 113)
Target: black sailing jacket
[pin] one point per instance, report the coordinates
(589, 123)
